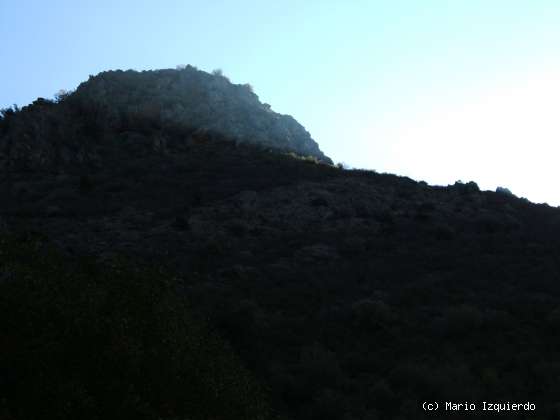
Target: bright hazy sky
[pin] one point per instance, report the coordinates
(436, 90)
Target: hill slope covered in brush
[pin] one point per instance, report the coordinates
(343, 294)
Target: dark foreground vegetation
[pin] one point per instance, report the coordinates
(337, 294)
(84, 342)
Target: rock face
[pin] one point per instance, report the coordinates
(205, 101)
(162, 101)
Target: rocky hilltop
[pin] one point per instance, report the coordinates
(183, 100)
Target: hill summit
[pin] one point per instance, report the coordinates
(186, 99)
(206, 101)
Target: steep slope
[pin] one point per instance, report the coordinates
(349, 294)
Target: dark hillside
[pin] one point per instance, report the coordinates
(80, 341)
(346, 294)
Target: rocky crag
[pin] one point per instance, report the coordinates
(115, 105)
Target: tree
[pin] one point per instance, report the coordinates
(61, 95)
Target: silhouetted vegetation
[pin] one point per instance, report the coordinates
(349, 294)
(90, 342)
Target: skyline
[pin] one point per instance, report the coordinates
(437, 92)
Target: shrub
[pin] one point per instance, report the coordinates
(86, 184)
(444, 232)
(468, 188)
(220, 73)
(504, 190)
(372, 313)
(61, 95)
(319, 366)
(462, 319)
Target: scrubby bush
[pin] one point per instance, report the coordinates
(489, 224)
(462, 319)
(466, 188)
(444, 232)
(371, 315)
(86, 184)
(62, 94)
(503, 190)
(319, 366)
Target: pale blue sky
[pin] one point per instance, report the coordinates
(436, 90)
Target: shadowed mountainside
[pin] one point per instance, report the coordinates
(346, 294)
